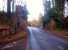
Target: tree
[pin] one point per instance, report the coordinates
(59, 7)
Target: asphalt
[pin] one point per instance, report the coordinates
(38, 40)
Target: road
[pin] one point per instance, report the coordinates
(40, 40)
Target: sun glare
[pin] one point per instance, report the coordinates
(35, 8)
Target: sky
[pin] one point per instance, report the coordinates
(35, 7)
(3, 4)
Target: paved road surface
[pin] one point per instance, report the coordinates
(40, 40)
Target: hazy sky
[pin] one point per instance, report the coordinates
(35, 7)
(3, 4)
